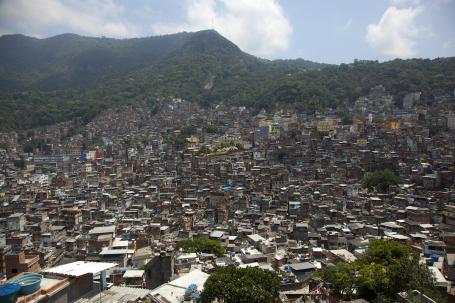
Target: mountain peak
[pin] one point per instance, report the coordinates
(209, 41)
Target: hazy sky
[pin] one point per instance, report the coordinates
(331, 31)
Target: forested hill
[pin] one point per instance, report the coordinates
(44, 81)
(71, 61)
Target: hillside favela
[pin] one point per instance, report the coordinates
(224, 151)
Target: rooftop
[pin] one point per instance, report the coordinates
(102, 230)
(173, 291)
(133, 273)
(79, 268)
(116, 294)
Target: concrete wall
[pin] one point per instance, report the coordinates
(159, 270)
(80, 286)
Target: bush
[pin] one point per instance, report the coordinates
(380, 180)
(236, 285)
(202, 245)
(385, 269)
(213, 129)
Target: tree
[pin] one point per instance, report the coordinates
(213, 129)
(380, 180)
(188, 130)
(378, 120)
(346, 118)
(204, 150)
(402, 265)
(385, 269)
(180, 141)
(236, 285)
(203, 245)
(241, 80)
(341, 279)
(19, 163)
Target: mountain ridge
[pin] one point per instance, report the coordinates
(69, 61)
(85, 78)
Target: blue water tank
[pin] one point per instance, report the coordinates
(29, 283)
(8, 292)
(197, 296)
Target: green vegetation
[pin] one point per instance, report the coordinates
(19, 163)
(213, 129)
(203, 245)
(384, 270)
(109, 73)
(378, 120)
(204, 150)
(225, 147)
(71, 61)
(188, 130)
(380, 180)
(180, 141)
(236, 285)
(51, 170)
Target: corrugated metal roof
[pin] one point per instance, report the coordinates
(133, 273)
(79, 268)
(102, 230)
(216, 234)
(106, 252)
(117, 294)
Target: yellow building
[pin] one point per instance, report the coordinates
(326, 125)
(392, 124)
(362, 141)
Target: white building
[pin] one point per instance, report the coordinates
(16, 222)
(451, 121)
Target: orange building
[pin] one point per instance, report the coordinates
(16, 263)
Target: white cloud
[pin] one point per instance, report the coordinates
(257, 26)
(396, 33)
(88, 17)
